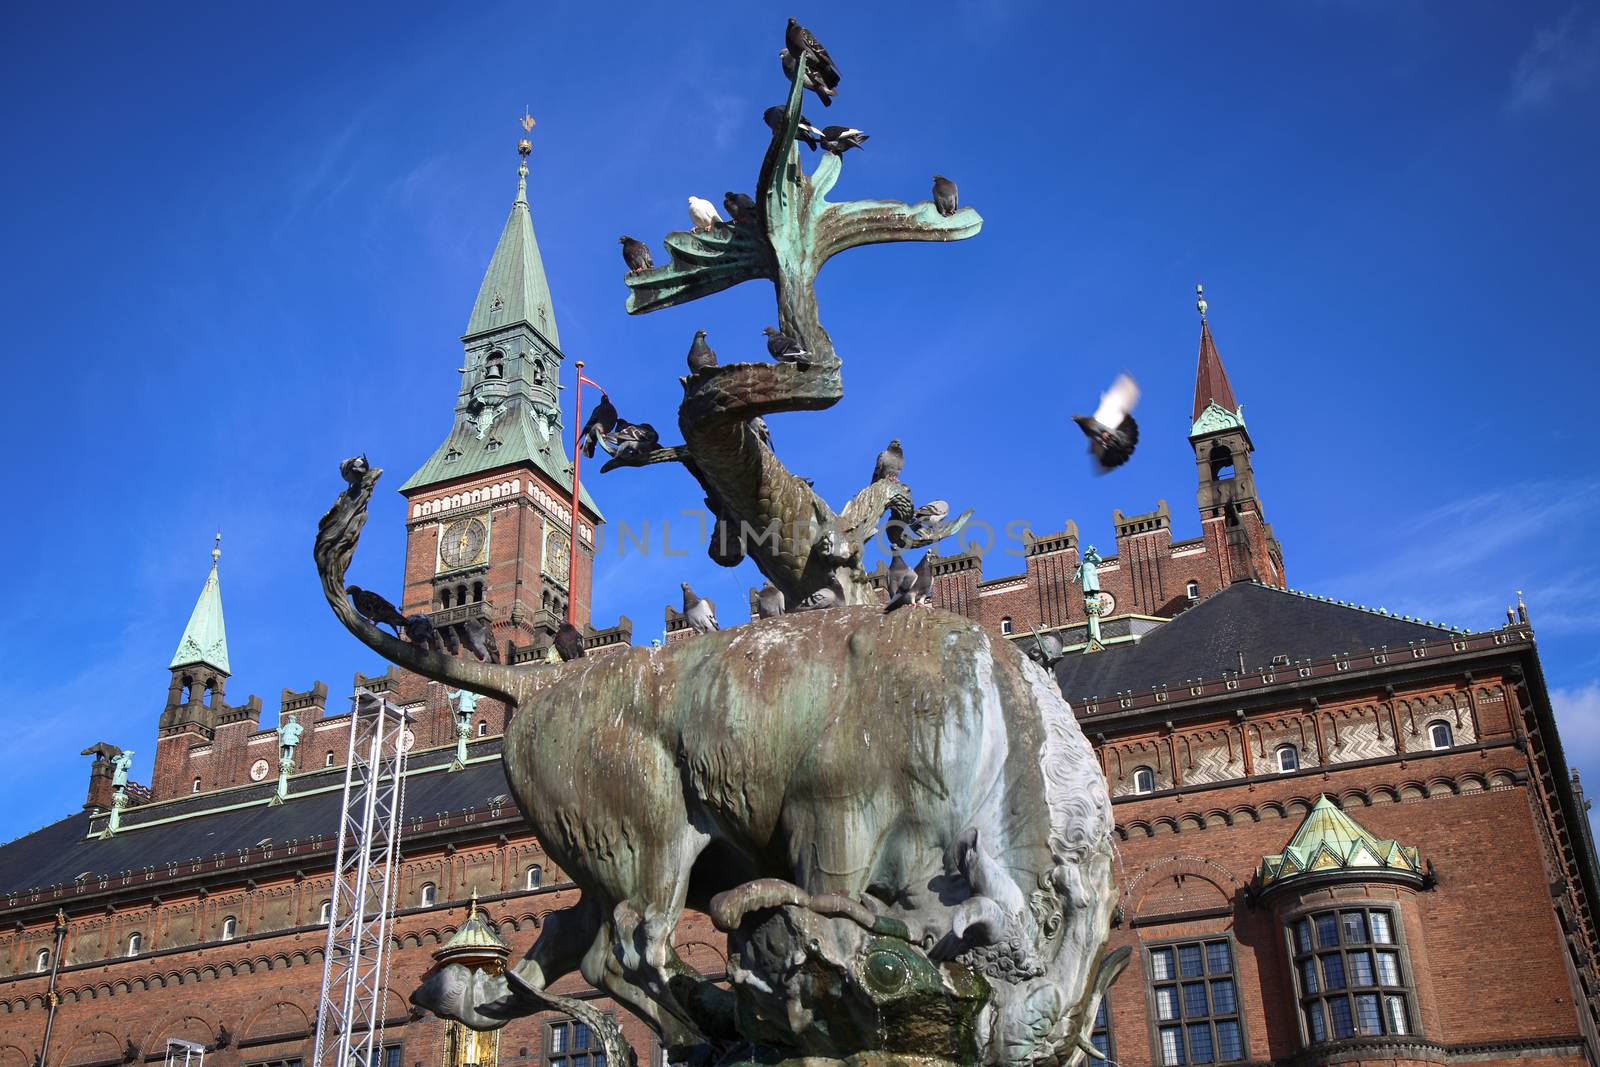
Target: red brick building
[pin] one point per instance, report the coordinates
(1345, 837)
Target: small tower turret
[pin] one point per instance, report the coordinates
(195, 696)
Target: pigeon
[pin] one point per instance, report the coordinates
(770, 601)
(902, 580)
(785, 349)
(945, 197)
(353, 470)
(1047, 649)
(801, 40)
(1112, 431)
(602, 420)
(633, 439)
(930, 515)
(377, 609)
(703, 213)
(805, 133)
(922, 592)
(701, 613)
(840, 139)
(758, 426)
(421, 632)
(741, 207)
(569, 643)
(701, 355)
(816, 81)
(891, 461)
(475, 633)
(636, 254)
(452, 643)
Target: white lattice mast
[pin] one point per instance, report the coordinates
(350, 1019)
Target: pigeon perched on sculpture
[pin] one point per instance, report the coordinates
(785, 349)
(701, 355)
(741, 208)
(805, 133)
(701, 614)
(703, 213)
(601, 421)
(840, 139)
(946, 198)
(376, 609)
(769, 602)
(891, 461)
(568, 642)
(636, 254)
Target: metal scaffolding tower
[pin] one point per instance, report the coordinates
(365, 879)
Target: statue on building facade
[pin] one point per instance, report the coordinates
(121, 763)
(940, 896)
(289, 731)
(1088, 572)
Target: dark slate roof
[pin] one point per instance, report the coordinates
(61, 852)
(1261, 621)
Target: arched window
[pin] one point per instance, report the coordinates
(230, 927)
(477, 592)
(1440, 735)
(483, 727)
(1144, 780)
(1288, 759)
(211, 690)
(135, 944)
(327, 761)
(461, 594)
(1221, 461)
(41, 961)
(444, 597)
(195, 788)
(1005, 625)
(535, 877)
(429, 893)
(494, 366)
(1192, 590)
(325, 914)
(188, 689)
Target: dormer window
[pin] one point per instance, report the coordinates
(494, 367)
(492, 446)
(451, 456)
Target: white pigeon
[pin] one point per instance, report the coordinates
(703, 213)
(700, 613)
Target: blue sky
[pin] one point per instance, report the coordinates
(243, 248)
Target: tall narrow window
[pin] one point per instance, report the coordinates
(483, 727)
(135, 944)
(195, 787)
(494, 367)
(1196, 1003)
(1100, 1036)
(1005, 625)
(327, 761)
(1144, 780)
(535, 877)
(1440, 735)
(1192, 591)
(230, 927)
(1350, 973)
(41, 961)
(444, 597)
(1288, 759)
(477, 592)
(426, 897)
(326, 914)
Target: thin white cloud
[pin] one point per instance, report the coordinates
(1562, 58)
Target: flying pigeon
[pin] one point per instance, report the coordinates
(421, 632)
(816, 81)
(701, 355)
(785, 349)
(632, 439)
(352, 470)
(805, 133)
(636, 254)
(741, 208)
(475, 633)
(377, 609)
(840, 139)
(799, 39)
(922, 592)
(770, 601)
(758, 426)
(602, 420)
(701, 613)
(945, 197)
(891, 461)
(1047, 649)
(1112, 431)
(902, 580)
(569, 643)
(703, 213)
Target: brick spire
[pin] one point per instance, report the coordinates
(1210, 379)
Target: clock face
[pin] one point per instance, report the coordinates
(1108, 603)
(556, 552)
(258, 770)
(462, 543)
(407, 740)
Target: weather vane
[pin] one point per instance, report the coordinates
(1200, 300)
(525, 146)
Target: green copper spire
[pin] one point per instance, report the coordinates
(205, 640)
(1331, 842)
(514, 287)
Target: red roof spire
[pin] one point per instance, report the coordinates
(1210, 380)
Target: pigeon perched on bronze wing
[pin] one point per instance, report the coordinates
(840, 139)
(700, 612)
(701, 355)
(421, 632)
(785, 349)
(1111, 430)
(798, 39)
(376, 609)
(703, 213)
(946, 198)
(636, 254)
(630, 443)
(769, 602)
(352, 470)
(569, 643)
(741, 208)
(805, 133)
(899, 585)
(477, 636)
(816, 81)
(922, 591)
(601, 420)
(891, 461)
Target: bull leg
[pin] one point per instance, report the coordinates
(563, 939)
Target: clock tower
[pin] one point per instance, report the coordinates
(488, 515)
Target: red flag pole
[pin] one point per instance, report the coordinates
(577, 454)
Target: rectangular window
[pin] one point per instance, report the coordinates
(296, 1062)
(1100, 1036)
(1195, 1002)
(1348, 988)
(570, 1043)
